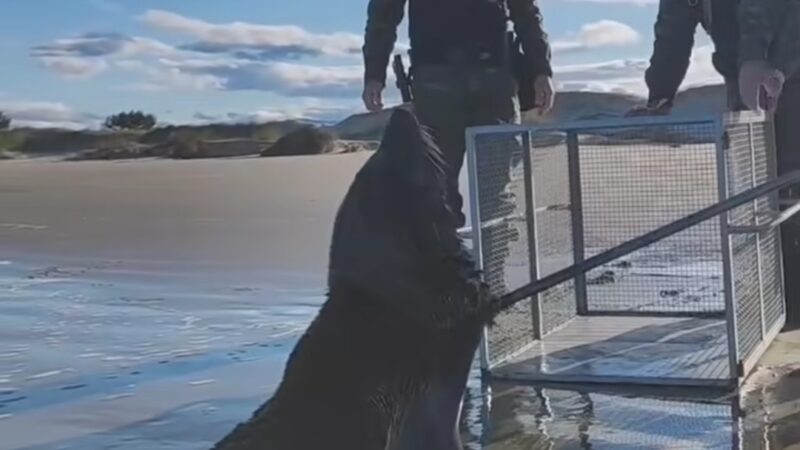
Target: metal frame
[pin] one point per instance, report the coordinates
(530, 218)
(769, 332)
(727, 255)
(576, 207)
(476, 227)
(738, 368)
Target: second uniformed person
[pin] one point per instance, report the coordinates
(672, 50)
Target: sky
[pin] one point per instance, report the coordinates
(70, 63)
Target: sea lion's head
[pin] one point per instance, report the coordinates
(406, 177)
(395, 217)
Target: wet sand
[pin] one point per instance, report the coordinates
(150, 305)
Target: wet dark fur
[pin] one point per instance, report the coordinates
(385, 363)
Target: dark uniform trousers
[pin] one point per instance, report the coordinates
(787, 136)
(450, 97)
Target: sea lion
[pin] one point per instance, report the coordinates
(385, 363)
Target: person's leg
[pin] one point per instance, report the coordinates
(493, 101)
(724, 31)
(787, 135)
(441, 106)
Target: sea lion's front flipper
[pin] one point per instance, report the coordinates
(432, 420)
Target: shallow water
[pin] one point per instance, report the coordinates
(76, 333)
(88, 348)
(593, 417)
(65, 322)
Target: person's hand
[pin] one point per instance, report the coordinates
(760, 85)
(652, 108)
(545, 94)
(373, 95)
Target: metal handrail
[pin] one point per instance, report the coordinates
(554, 279)
(465, 231)
(779, 217)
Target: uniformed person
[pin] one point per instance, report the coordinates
(464, 72)
(672, 50)
(460, 67)
(769, 79)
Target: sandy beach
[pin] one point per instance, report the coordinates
(271, 214)
(190, 278)
(151, 304)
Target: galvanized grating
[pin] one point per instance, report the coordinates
(504, 241)
(740, 171)
(758, 290)
(747, 293)
(550, 167)
(773, 289)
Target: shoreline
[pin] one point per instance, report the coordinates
(200, 263)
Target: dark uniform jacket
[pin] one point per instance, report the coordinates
(674, 39)
(438, 28)
(770, 31)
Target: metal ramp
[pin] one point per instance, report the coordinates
(697, 308)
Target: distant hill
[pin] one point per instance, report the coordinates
(365, 126)
(568, 107)
(222, 140)
(159, 142)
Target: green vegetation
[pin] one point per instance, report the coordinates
(133, 120)
(52, 142)
(5, 121)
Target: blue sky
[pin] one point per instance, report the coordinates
(69, 63)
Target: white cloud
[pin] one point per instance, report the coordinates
(639, 3)
(39, 114)
(72, 67)
(627, 75)
(242, 56)
(270, 40)
(161, 77)
(91, 54)
(98, 45)
(604, 33)
(311, 109)
(234, 56)
(289, 79)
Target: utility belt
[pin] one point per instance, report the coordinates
(474, 57)
(506, 54)
(463, 55)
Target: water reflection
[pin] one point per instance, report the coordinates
(513, 416)
(772, 412)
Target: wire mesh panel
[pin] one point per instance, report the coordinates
(757, 271)
(685, 310)
(505, 252)
(765, 168)
(523, 197)
(554, 226)
(633, 181)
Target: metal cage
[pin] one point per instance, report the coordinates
(696, 308)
